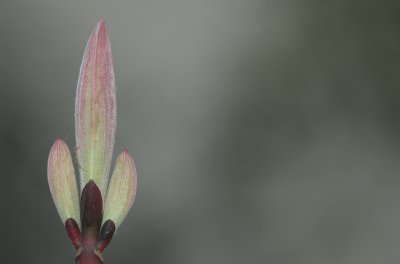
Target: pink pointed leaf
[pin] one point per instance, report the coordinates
(95, 110)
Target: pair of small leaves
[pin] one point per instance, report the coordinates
(61, 177)
(95, 125)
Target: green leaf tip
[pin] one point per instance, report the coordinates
(122, 189)
(62, 182)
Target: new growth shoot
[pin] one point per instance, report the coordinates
(92, 214)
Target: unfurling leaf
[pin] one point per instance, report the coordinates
(62, 182)
(122, 189)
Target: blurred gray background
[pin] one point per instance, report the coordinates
(263, 131)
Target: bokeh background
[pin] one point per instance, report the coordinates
(264, 131)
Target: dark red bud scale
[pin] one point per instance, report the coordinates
(91, 217)
(73, 231)
(91, 213)
(91, 242)
(106, 234)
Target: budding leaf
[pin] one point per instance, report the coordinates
(95, 110)
(122, 189)
(62, 182)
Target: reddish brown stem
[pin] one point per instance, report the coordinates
(88, 256)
